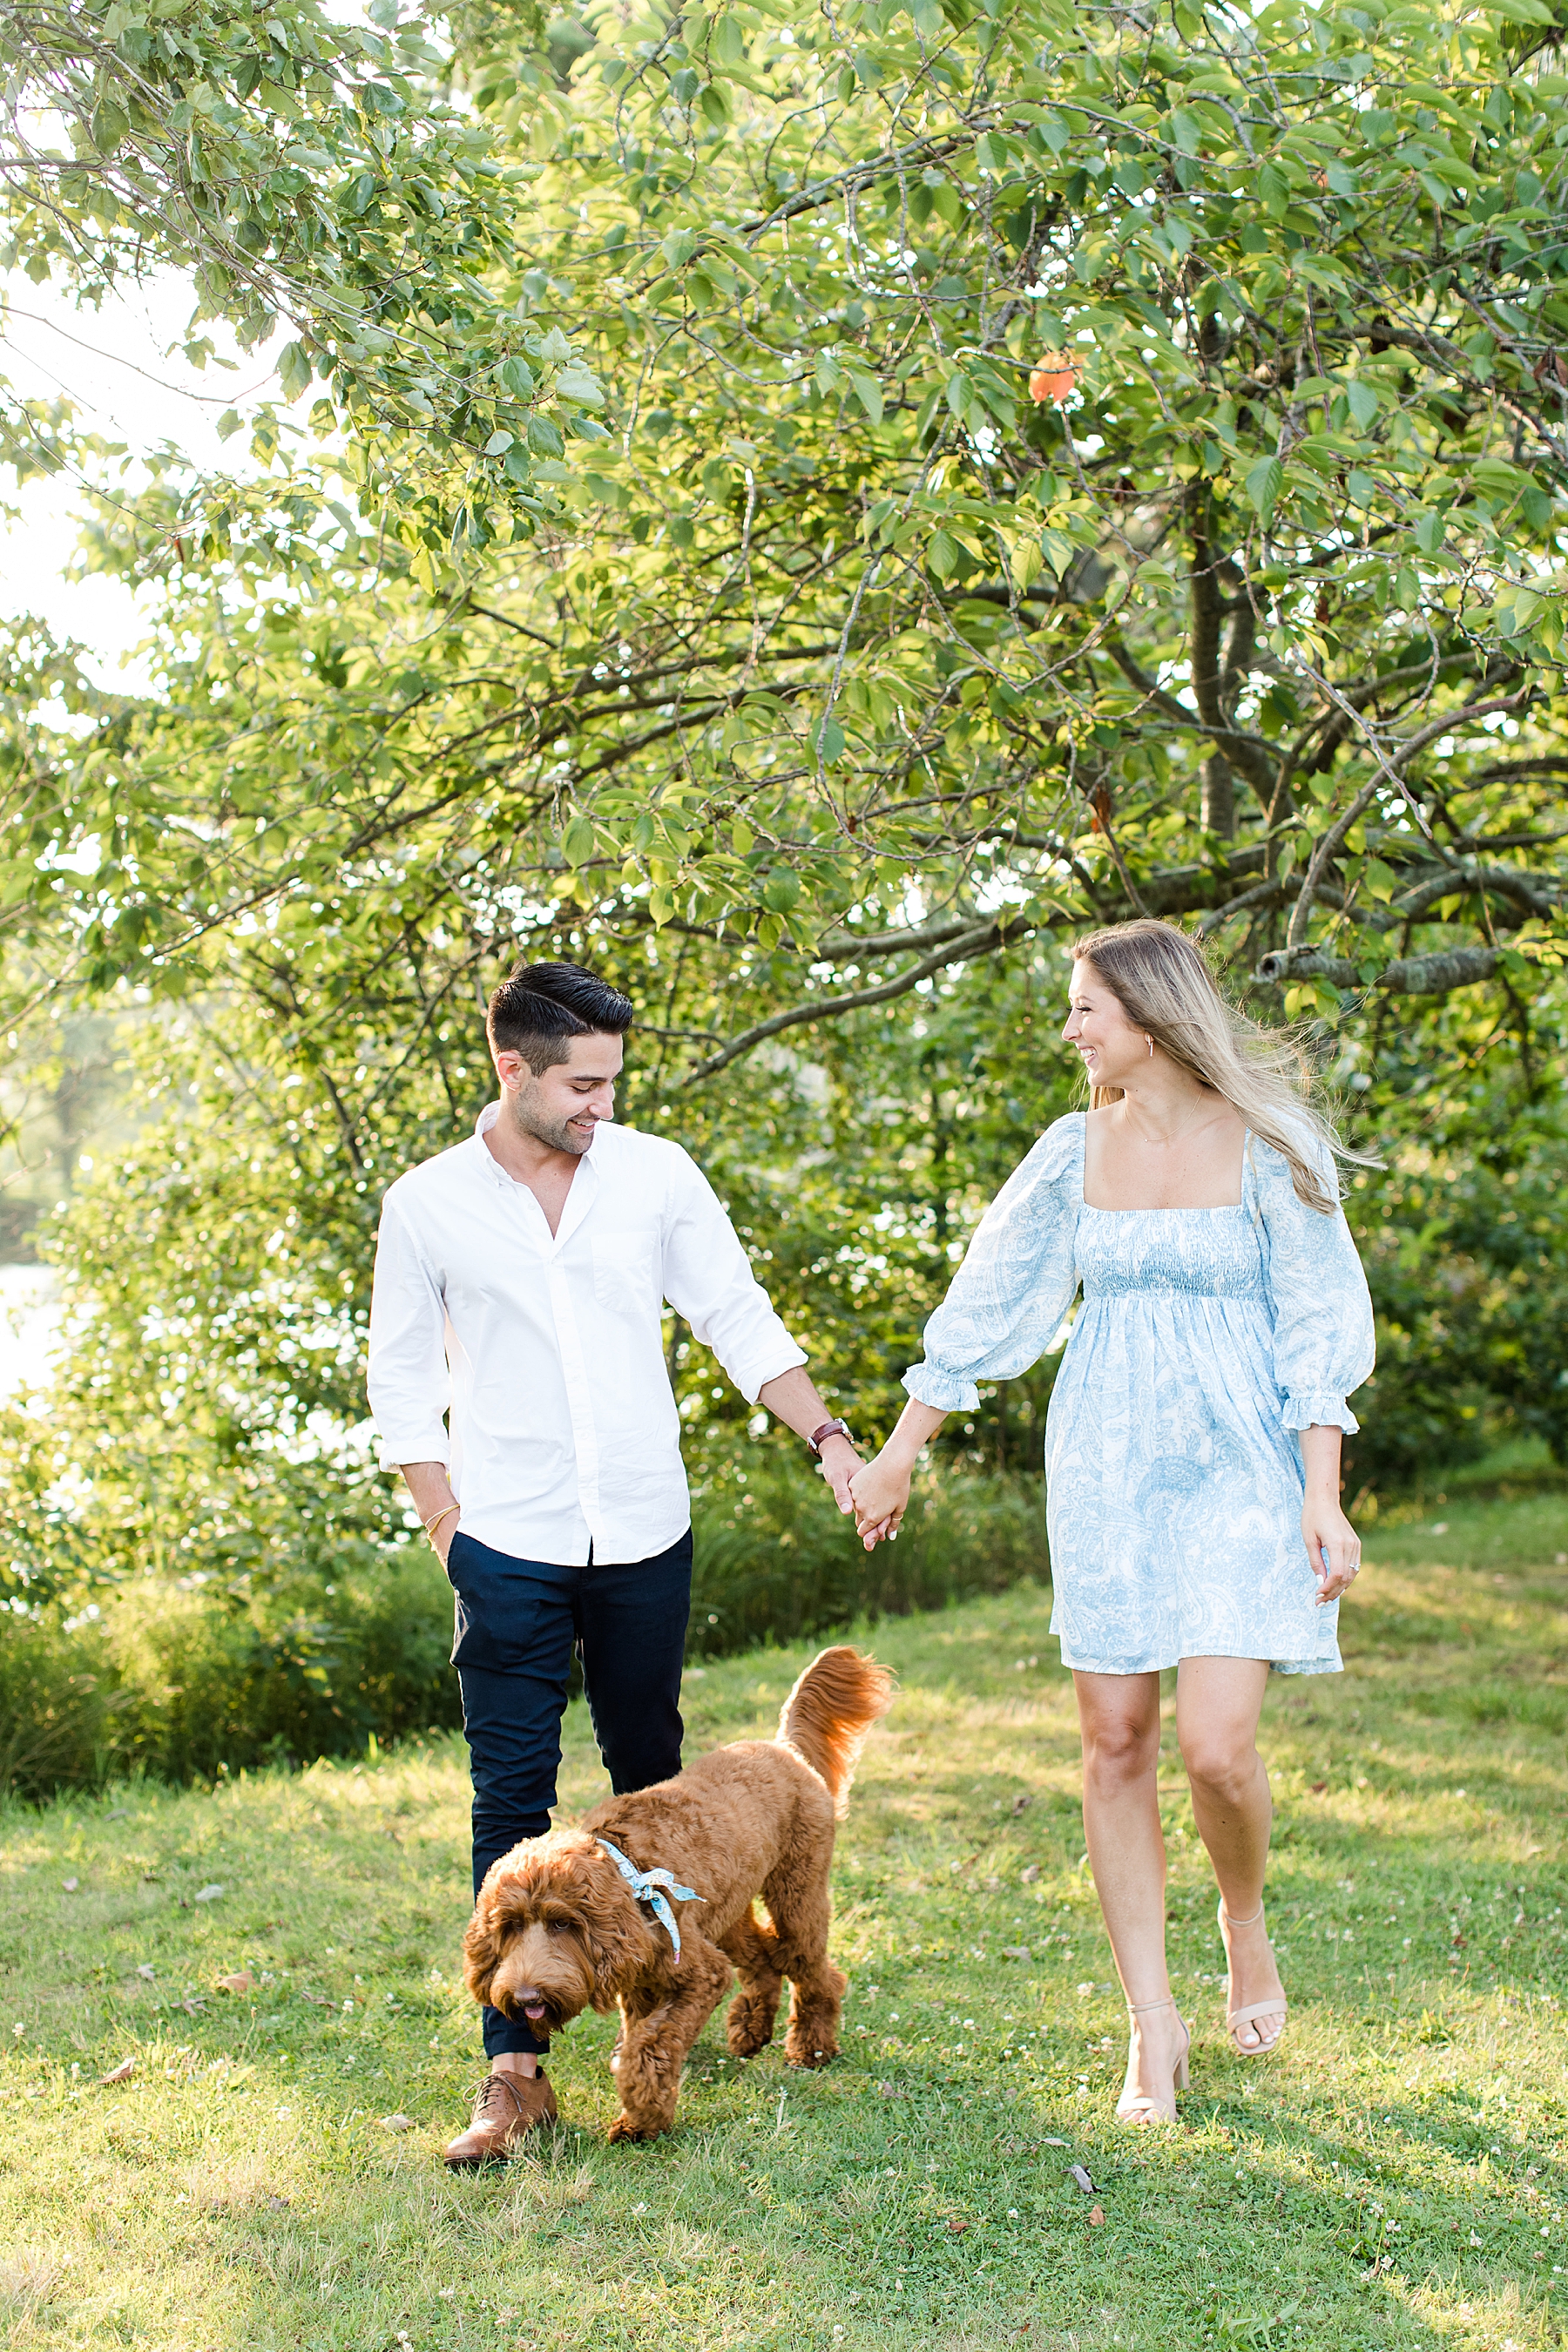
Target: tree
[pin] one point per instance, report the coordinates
(833, 652)
(738, 619)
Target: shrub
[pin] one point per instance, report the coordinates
(182, 1678)
(179, 1679)
(776, 1559)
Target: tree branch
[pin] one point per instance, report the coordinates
(962, 949)
(1424, 975)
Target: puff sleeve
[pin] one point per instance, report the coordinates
(1019, 1273)
(1324, 1341)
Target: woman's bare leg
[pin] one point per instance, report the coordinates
(1118, 1717)
(1219, 1701)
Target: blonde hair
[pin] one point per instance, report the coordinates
(1163, 984)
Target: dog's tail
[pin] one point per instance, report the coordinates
(828, 1716)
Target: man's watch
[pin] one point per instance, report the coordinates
(828, 1429)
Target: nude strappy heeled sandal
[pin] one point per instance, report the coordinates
(1276, 2006)
(1145, 2107)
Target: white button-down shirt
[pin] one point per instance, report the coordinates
(547, 1351)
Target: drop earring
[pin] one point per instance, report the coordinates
(1150, 1043)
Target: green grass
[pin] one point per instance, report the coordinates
(1398, 2176)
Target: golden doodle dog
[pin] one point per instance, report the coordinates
(652, 1902)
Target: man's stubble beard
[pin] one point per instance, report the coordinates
(556, 1135)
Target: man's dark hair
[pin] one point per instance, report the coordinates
(539, 1010)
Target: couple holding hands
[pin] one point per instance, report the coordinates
(1191, 1450)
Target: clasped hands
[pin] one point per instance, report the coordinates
(876, 1492)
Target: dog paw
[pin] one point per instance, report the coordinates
(624, 2129)
(745, 2041)
(806, 2054)
(749, 2027)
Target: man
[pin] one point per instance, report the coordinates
(520, 1280)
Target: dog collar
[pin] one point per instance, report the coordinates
(645, 1885)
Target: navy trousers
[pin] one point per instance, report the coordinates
(518, 1622)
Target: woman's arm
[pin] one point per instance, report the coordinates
(881, 1489)
(1002, 1307)
(1332, 1545)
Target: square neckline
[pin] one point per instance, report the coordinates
(1215, 1209)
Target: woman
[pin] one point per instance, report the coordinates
(1192, 1445)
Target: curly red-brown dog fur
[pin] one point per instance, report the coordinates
(556, 1929)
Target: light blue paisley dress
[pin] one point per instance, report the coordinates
(1206, 1340)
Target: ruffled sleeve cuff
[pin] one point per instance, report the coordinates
(942, 1391)
(1320, 1409)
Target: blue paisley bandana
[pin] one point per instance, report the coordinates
(645, 1885)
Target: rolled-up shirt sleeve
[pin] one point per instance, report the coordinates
(1006, 1301)
(408, 1379)
(708, 1278)
(1324, 1344)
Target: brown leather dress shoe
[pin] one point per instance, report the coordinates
(506, 2108)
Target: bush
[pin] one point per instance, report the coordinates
(182, 1678)
(57, 1699)
(776, 1559)
(179, 1679)
(1466, 1253)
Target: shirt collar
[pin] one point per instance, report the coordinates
(482, 1125)
(584, 1184)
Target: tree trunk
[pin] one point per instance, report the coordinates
(1218, 805)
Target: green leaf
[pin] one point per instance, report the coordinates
(869, 392)
(1264, 482)
(1362, 491)
(544, 437)
(1362, 400)
(110, 126)
(679, 247)
(830, 741)
(498, 443)
(942, 555)
(293, 370)
(517, 377)
(577, 843)
(1188, 131)
(1274, 188)
(575, 382)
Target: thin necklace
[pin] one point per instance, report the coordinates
(1165, 1142)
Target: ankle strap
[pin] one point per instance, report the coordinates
(1232, 1921)
(1142, 2007)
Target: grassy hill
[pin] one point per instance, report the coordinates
(1397, 2176)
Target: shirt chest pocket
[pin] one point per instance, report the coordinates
(628, 1270)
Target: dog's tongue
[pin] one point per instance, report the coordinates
(534, 2010)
